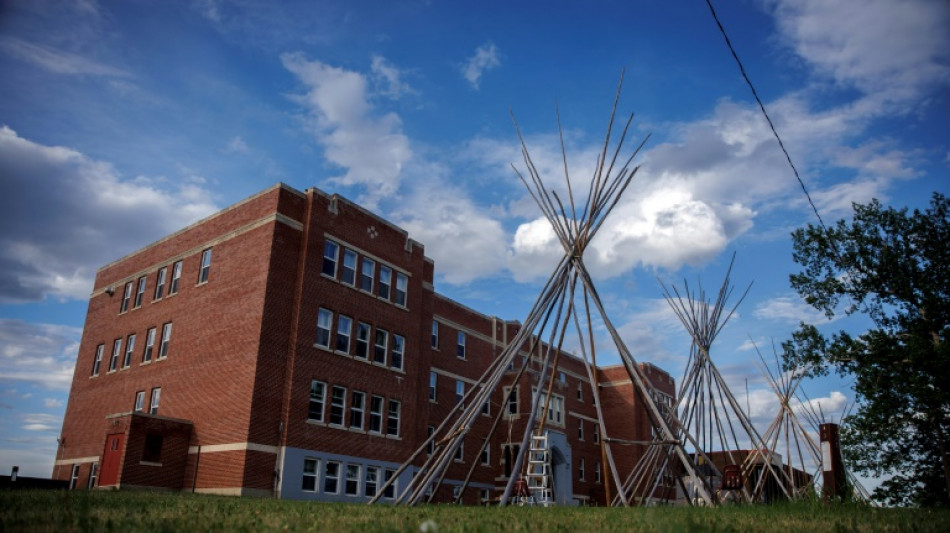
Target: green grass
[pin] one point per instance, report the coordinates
(147, 511)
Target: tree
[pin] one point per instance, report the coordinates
(894, 267)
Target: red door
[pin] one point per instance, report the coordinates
(111, 458)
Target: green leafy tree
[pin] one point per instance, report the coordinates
(893, 266)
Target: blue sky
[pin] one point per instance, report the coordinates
(121, 122)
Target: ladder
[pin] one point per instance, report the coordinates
(539, 470)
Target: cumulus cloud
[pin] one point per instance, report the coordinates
(370, 147)
(41, 354)
(388, 79)
(485, 58)
(57, 61)
(64, 215)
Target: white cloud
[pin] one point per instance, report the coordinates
(388, 80)
(237, 145)
(486, 58)
(90, 215)
(42, 354)
(57, 61)
(371, 148)
(789, 309)
(52, 403)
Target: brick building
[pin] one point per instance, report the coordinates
(293, 345)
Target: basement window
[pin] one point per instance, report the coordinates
(309, 478)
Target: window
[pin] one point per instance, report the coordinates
(555, 408)
(399, 348)
(152, 451)
(372, 481)
(149, 345)
(580, 391)
(460, 453)
(92, 476)
(309, 478)
(348, 275)
(318, 397)
(116, 350)
(357, 405)
(486, 408)
(435, 335)
(392, 421)
(430, 447)
(562, 377)
(486, 458)
(344, 328)
(485, 495)
(176, 277)
(160, 283)
(353, 476)
(166, 337)
(331, 251)
(140, 293)
(362, 340)
(390, 491)
(376, 414)
(324, 323)
(367, 273)
(580, 430)
(156, 398)
(461, 345)
(139, 401)
(129, 348)
(596, 433)
(511, 402)
(385, 281)
(433, 385)
(74, 477)
(459, 391)
(331, 478)
(98, 362)
(382, 342)
(205, 266)
(126, 298)
(402, 285)
(597, 472)
(337, 405)
(511, 453)
(580, 470)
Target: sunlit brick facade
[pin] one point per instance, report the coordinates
(293, 345)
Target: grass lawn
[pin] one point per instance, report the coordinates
(148, 511)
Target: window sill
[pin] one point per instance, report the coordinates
(149, 463)
(200, 283)
(94, 376)
(143, 363)
(316, 422)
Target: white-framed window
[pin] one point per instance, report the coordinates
(93, 474)
(459, 390)
(390, 491)
(433, 385)
(205, 269)
(372, 481)
(460, 351)
(331, 478)
(382, 344)
(399, 349)
(460, 453)
(166, 339)
(98, 361)
(139, 401)
(318, 398)
(337, 405)
(385, 282)
(562, 377)
(367, 274)
(140, 292)
(430, 447)
(74, 477)
(126, 297)
(353, 477)
(486, 453)
(580, 470)
(156, 399)
(402, 288)
(376, 414)
(348, 274)
(357, 407)
(596, 436)
(456, 492)
(580, 429)
(116, 350)
(324, 323)
(511, 401)
(435, 334)
(362, 340)
(160, 283)
(597, 472)
(331, 251)
(555, 408)
(344, 328)
(176, 278)
(392, 419)
(129, 349)
(311, 467)
(149, 345)
(580, 391)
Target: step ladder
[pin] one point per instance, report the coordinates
(539, 471)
